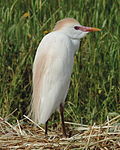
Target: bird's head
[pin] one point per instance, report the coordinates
(73, 29)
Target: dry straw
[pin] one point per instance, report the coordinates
(29, 135)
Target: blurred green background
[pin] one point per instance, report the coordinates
(94, 89)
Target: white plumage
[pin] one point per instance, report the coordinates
(53, 63)
(52, 67)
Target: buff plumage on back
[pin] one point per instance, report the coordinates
(39, 67)
(41, 63)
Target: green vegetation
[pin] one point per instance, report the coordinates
(94, 90)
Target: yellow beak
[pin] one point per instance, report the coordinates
(87, 29)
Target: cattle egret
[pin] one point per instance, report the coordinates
(52, 69)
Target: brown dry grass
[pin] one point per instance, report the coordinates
(31, 136)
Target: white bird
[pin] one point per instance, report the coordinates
(52, 69)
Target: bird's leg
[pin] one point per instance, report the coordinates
(46, 127)
(62, 119)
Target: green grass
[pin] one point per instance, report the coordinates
(94, 89)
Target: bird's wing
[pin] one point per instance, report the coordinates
(51, 73)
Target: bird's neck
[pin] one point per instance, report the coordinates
(76, 44)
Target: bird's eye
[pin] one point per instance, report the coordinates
(76, 27)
